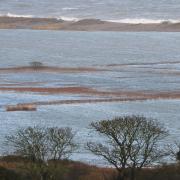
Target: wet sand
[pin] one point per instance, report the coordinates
(82, 25)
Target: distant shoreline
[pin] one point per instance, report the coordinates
(83, 25)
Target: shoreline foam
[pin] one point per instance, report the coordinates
(70, 18)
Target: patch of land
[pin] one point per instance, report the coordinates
(25, 69)
(144, 64)
(17, 167)
(82, 25)
(97, 95)
(50, 90)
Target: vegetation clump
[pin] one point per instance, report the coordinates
(21, 107)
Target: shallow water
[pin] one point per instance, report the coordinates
(133, 61)
(20, 47)
(80, 116)
(130, 62)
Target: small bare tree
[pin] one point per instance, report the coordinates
(131, 143)
(174, 150)
(30, 142)
(61, 142)
(36, 65)
(40, 144)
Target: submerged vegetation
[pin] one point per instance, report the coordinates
(131, 144)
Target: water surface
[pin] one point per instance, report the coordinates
(131, 62)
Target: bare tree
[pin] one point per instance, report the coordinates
(131, 142)
(61, 142)
(174, 150)
(30, 142)
(39, 144)
(36, 65)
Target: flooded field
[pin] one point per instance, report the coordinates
(88, 77)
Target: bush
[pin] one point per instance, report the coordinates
(6, 174)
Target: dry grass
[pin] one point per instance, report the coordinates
(69, 170)
(21, 107)
(60, 170)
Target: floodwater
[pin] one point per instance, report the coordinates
(137, 63)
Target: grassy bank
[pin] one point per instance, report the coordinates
(19, 168)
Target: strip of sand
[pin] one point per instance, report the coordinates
(82, 25)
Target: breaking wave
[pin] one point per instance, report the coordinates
(145, 21)
(17, 15)
(125, 21)
(64, 18)
(68, 8)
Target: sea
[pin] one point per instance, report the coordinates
(134, 61)
(129, 11)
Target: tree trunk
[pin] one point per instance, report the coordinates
(133, 176)
(121, 175)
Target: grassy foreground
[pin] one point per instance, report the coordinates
(19, 168)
